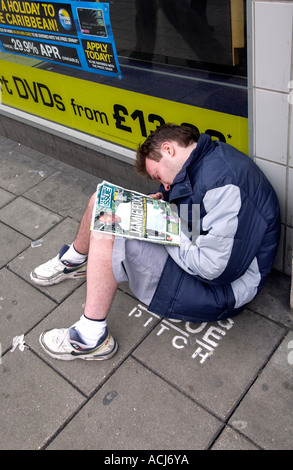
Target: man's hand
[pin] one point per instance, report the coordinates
(158, 195)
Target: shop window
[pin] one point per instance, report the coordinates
(188, 51)
(203, 34)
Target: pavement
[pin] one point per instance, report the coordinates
(173, 386)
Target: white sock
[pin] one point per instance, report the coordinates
(73, 256)
(90, 330)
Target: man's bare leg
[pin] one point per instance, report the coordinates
(81, 242)
(101, 285)
(91, 330)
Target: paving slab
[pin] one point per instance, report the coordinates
(230, 439)
(28, 218)
(13, 242)
(225, 385)
(21, 307)
(213, 363)
(34, 401)
(146, 413)
(265, 414)
(46, 248)
(5, 197)
(273, 301)
(89, 375)
(63, 194)
(18, 172)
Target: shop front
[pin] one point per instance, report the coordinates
(104, 75)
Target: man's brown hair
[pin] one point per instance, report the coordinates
(183, 135)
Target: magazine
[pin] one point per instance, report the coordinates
(134, 215)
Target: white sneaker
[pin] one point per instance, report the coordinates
(65, 344)
(55, 270)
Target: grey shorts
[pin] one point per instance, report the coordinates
(140, 263)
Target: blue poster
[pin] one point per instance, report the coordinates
(76, 34)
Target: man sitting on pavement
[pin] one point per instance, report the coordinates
(207, 278)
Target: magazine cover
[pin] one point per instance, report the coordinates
(133, 215)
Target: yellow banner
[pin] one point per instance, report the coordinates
(119, 116)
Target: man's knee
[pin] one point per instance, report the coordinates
(102, 237)
(91, 202)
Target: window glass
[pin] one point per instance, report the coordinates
(188, 51)
(204, 34)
